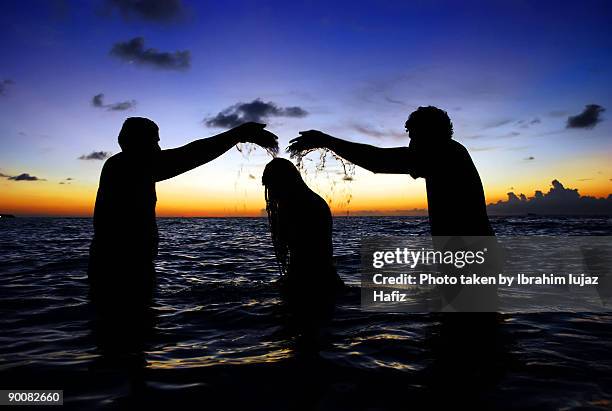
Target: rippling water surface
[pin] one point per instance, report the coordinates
(221, 332)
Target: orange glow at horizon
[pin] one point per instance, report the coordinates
(48, 199)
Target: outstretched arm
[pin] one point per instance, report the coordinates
(375, 159)
(173, 162)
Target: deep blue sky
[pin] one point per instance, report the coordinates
(509, 73)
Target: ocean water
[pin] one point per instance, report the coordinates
(221, 338)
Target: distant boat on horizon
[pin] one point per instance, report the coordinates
(7, 216)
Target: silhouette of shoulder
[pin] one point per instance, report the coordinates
(113, 160)
(457, 149)
(111, 166)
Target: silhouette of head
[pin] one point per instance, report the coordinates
(429, 123)
(282, 180)
(139, 135)
(427, 127)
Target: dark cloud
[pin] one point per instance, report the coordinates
(121, 106)
(95, 155)
(133, 51)
(23, 177)
(558, 200)
(590, 116)
(98, 101)
(163, 11)
(257, 110)
(4, 84)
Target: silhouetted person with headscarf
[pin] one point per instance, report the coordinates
(121, 270)
(455, 196)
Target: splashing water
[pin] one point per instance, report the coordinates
(245, 176)
(338, 190)
(246, 149)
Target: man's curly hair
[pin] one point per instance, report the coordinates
(430, 121)
(135, 131)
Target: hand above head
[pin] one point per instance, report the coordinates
(308, 140)
(256, 133)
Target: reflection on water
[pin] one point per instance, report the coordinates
(221, 330)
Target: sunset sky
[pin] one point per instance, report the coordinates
(527, 86)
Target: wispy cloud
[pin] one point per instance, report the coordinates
(511, 134)
(497, 123)
(486, 148)
(378, 133)
(394, 101)
(529, 123)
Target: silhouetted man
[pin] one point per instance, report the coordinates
(455, 195)
(125, 232)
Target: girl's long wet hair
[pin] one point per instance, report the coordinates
(281, 248)
(283, 176)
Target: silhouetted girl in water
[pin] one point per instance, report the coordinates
(301, 226)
